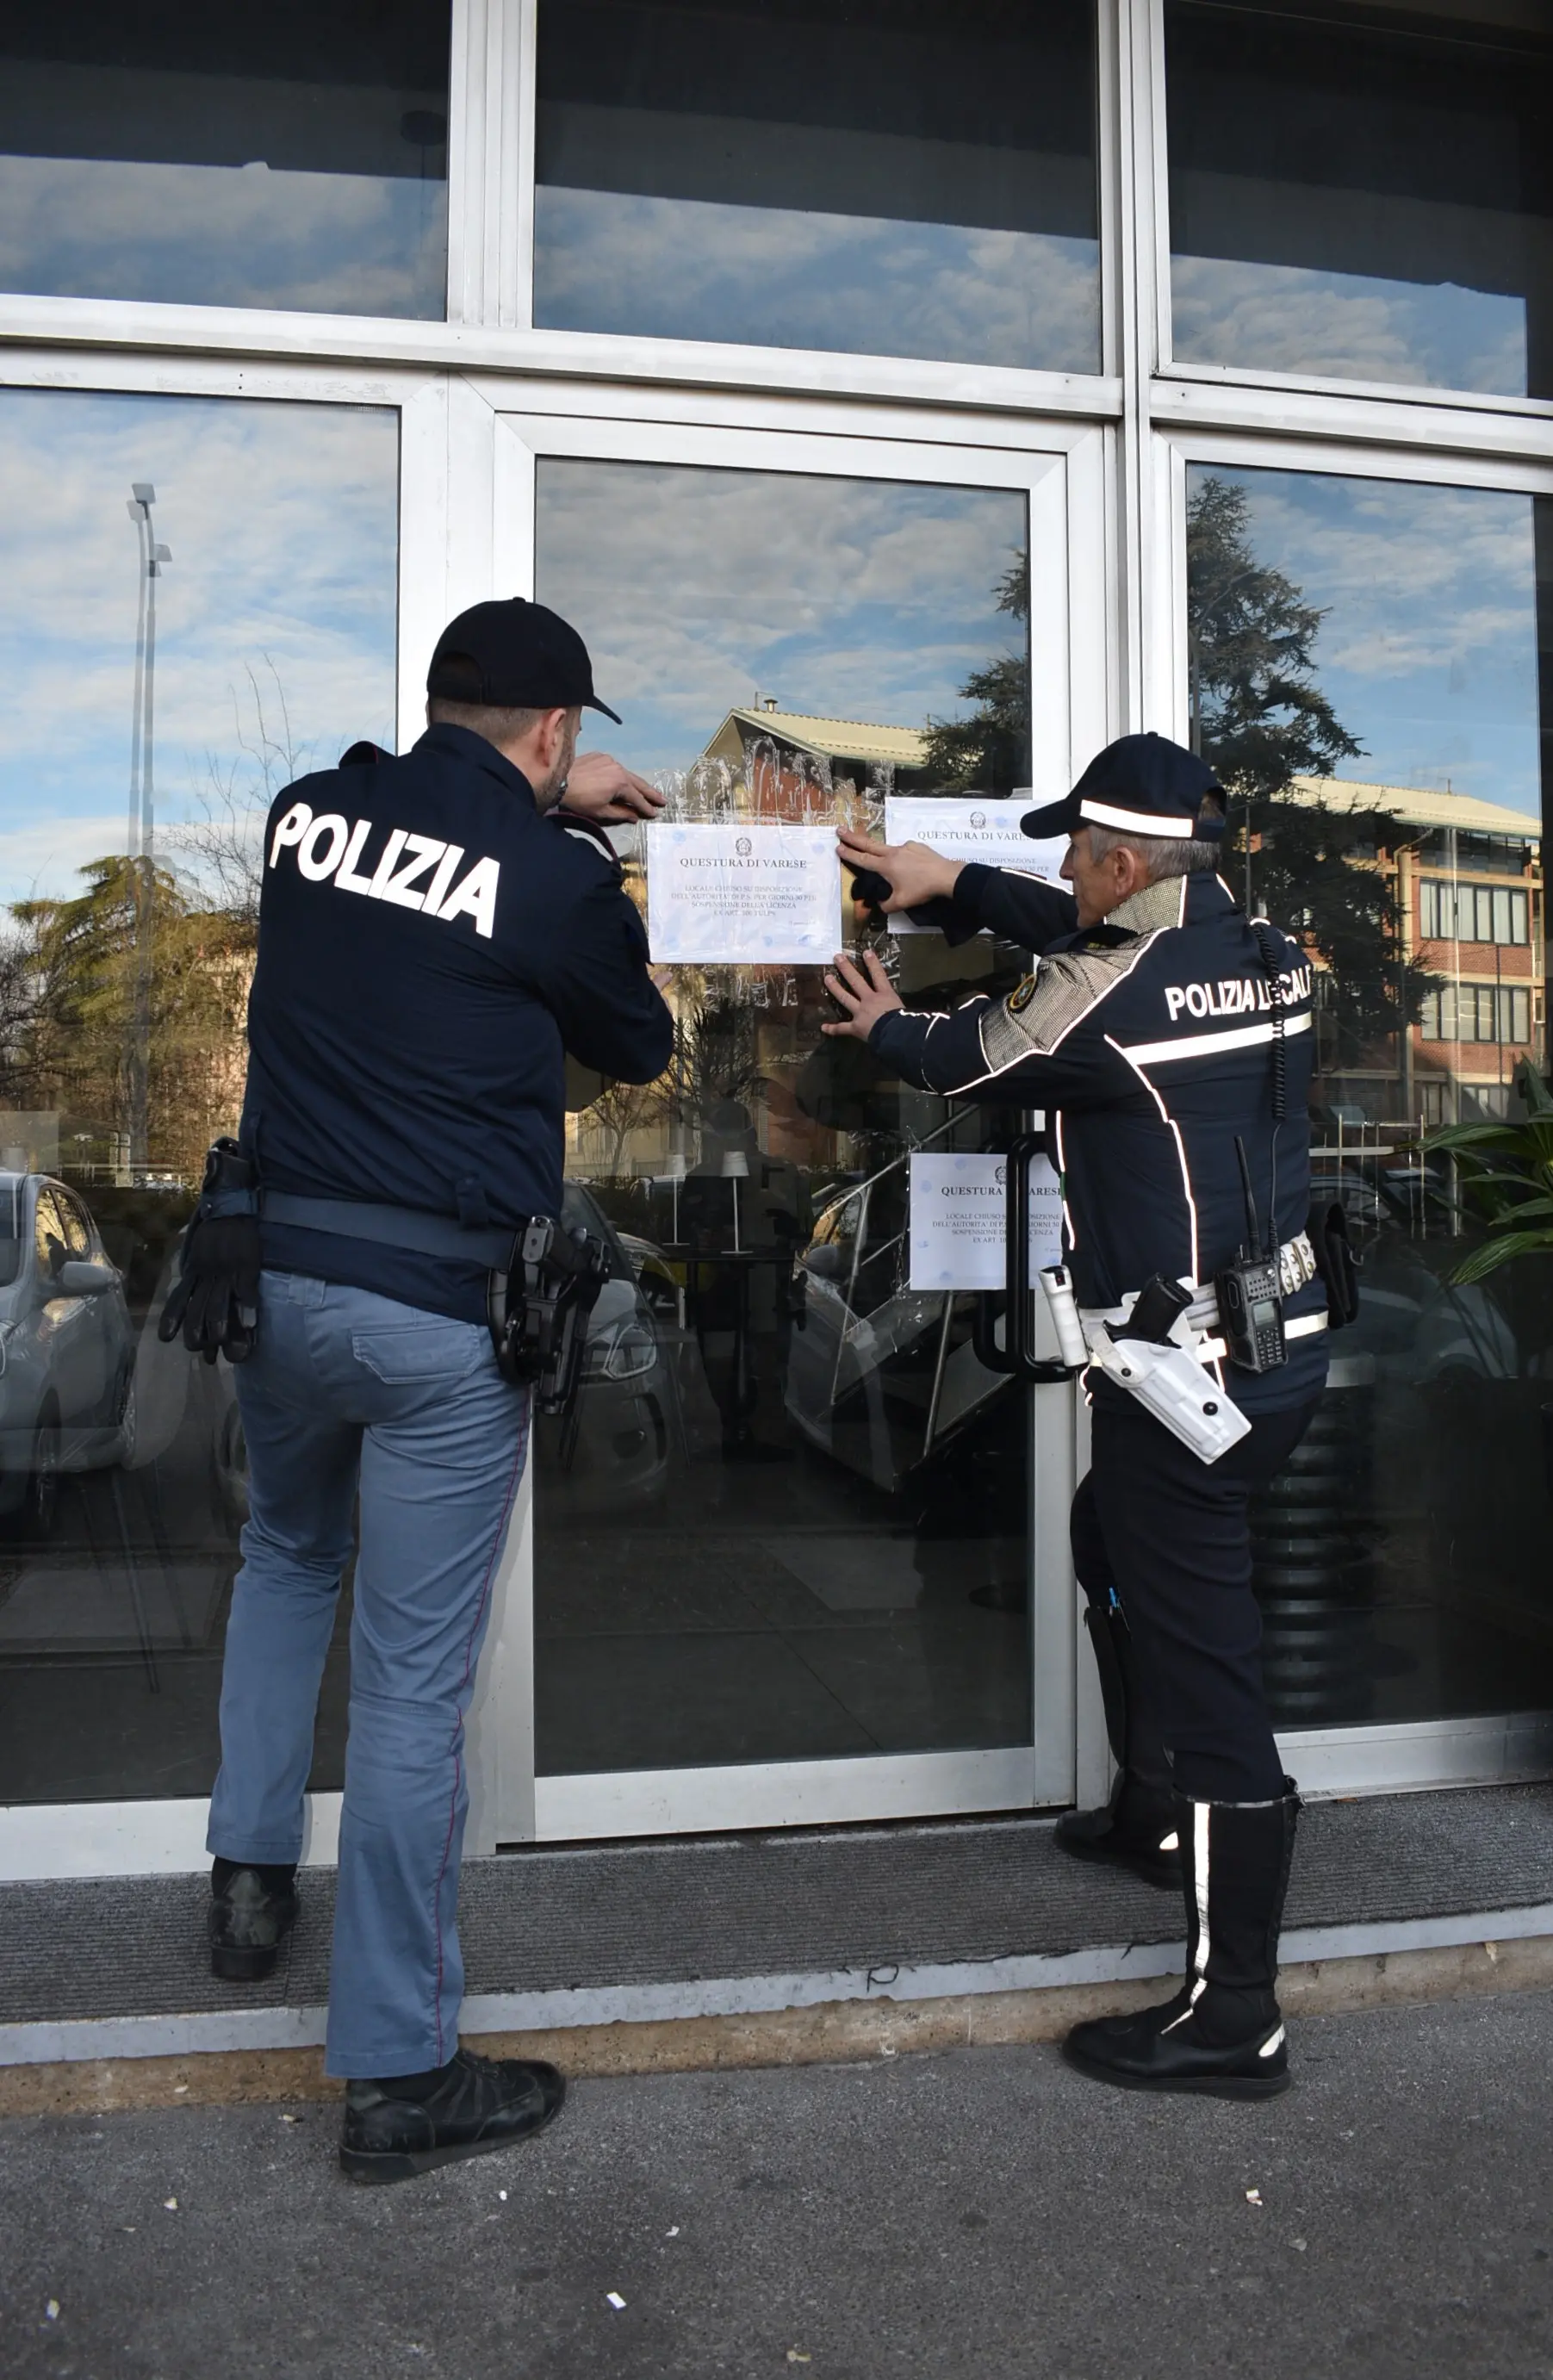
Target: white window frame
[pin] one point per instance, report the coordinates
(1126, 432)
(1061, 471)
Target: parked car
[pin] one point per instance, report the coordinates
(67, 1349)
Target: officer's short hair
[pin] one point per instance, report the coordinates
(497, 725)
(1161, 854)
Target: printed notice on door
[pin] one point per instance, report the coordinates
(969, 828)
(958, 1220)
(743, 895)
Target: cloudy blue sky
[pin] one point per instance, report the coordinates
(283, 521)
(224, 234)
(1429, 648)
(779, 276)
(1346, 326)
(695, 588)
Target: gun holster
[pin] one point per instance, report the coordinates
(1336, 1262)
(537, 1309)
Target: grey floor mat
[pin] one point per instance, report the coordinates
(569, 1916)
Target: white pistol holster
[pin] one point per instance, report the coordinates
(1170, 1382)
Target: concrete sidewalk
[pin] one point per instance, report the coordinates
(982, 2215)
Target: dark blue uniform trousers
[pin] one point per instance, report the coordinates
(1171, 1535)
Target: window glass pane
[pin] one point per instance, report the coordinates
(880, 177)
(1372, 666)
(1361, 196)
(285, 156)
(123, 990)
(789, 1521)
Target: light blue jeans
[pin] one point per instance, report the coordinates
(350, 1391)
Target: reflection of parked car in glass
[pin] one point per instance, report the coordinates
(67, 1349)
(882, 1375)
(614, 1449)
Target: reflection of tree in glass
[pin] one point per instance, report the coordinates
(224, 847)
(67, 967)
(67, 973)
(990, 752)
(1259, 714)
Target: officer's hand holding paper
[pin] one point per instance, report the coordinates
(598, 786)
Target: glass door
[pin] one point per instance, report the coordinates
(788, 1559)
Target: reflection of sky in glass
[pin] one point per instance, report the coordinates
(1347, 326)
(1428, 650)
(283, 521)
(224, 236)
(854, 599)
(774, 277)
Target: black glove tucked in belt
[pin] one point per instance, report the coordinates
(215, 1301)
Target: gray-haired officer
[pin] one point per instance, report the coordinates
(1167, 1036)
(432, 946)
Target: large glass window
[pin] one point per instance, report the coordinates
(1364, 192)
(881, 176)
(288, 155)
(178, 639)
(1364, 661)
(788, 1519)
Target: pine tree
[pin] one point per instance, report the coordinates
(990, 752)
(1259, 716)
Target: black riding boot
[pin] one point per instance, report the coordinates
(1136, 1828)
(1223, 2033)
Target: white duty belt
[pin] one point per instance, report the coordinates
(1296, 1266)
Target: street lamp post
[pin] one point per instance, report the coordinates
(142, 816)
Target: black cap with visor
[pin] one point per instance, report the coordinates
(525, 657)
(1140, 784)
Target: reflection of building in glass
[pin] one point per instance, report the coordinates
(1466, 877)
(749, 1033)
(780, 760)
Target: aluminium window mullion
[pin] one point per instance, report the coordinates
(489, 164)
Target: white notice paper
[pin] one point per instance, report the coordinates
(957, 1206)
(971, 828)
(743, 895)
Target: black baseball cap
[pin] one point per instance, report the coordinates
(1143, 784)
(527, 658)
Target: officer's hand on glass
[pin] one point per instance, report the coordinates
(864, 991)
(598, 786)
(912, 873)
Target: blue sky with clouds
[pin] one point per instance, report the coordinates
(779, 276)
(1429, 648)
(283, 521)
(696, 589)
(1346, 326)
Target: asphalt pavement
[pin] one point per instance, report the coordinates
(981, 2216)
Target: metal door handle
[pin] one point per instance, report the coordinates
(1021, 1359)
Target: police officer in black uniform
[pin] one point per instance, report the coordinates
(1167, 1036)
(431, 946)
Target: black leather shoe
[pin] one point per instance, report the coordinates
(248, 1921)
(1167, 2049)
(480, 2105)
(1134, 1830)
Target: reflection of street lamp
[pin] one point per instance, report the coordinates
(142, 812)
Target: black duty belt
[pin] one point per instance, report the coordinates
(410, 1228)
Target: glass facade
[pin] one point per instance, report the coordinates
(1369, 671)
(883, 178)
(151, 718)
(285, 156)
(1363, 193)
(804, 1520)
(789, 1519)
